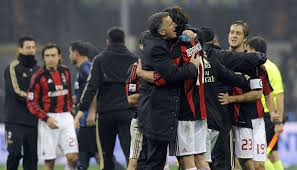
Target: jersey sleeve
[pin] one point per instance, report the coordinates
(33, 96)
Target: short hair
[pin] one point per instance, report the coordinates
(50, 46)
(244, 27)
(258, 43)
(179, 16)
(80, 47)
(92, 50)
(144, 36)
(23, 39)
(208, 33)
(155, 22)
(116, 35)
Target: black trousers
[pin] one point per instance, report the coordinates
(110, 125)
(21, 143)
(221, 154)
(153, 154)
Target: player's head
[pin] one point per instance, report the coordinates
(115, 35)
(143, 36)
(92, 50)
(51, 55)
(238, 34)
(26, 45)
(161, 24)
(77, 51)
(179, 16)
(257, 44)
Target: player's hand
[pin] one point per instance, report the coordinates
(278, 128)
(77, 119)
(190, 34)
(52, 123)
(139, 68)
(91, 119)
(275, 118)
(224, 98)
(195, 61)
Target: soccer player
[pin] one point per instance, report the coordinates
(108, 77)
(79, 55)
(259, 44)
(20, 124)
(49, 99)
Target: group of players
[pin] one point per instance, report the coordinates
(197, 99)
(192, 98)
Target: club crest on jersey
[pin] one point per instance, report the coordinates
(31, 96)
(49, 81)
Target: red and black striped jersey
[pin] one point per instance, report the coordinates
(245, 112)
(49, 92)
(192, 94)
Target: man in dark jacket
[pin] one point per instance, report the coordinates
(158, 107)
(108, 78)
(20, 124)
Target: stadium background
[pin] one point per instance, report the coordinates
(62, 21)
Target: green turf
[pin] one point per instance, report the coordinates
(96, 168)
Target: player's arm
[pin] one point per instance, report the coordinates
(240, 61)
(132, 84)
(92, 112)
(12, 83)
(250, 96)
(93, 83)
(133, 99)
(162, 63)
(229, 77)
(150, 76)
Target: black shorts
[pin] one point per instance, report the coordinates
(87, 139)
(269, 127)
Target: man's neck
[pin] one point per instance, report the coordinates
(51, 68)
(81, 61)
(237, 49)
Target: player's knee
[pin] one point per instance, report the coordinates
(72, 157)
(259, 165)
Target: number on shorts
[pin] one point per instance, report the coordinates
(246, 143)
(71, 142)
(260, 149)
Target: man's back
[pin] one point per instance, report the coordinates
(114, 64)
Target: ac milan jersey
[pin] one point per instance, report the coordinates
(245, 112)
(49, 92)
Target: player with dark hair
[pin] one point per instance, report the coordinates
(49, 99)
(20, 124)
(259, 44)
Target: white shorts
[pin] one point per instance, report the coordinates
(53, 142)
(260, 145)
(212, 136)
(251, 143)
(191, 138)
(136, 140)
